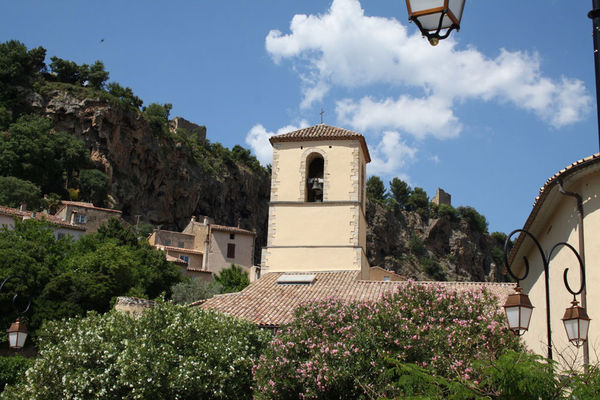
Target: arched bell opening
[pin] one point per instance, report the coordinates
(314, 182)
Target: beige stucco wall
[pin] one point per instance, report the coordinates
(74, 233)
(170, 238)
(199, 231)
(558, 222)
(298, 258)
(8, 221)
(195, 260)
(319, 236)
(94, 217)
(217, 256)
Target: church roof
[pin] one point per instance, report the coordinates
(322, 132)
(268, 303)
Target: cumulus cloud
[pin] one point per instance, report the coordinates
(258, 140)
(390, 155)
(346, 48)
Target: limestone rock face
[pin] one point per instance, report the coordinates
(154, 177)
(428, 248)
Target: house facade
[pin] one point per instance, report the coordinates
(566, 210)
(85, 214)
(60, 227)
(208, 248)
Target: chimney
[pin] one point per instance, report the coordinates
(23, 207)
(193, 218)
(205, 222)
(73, 214)
(239, 222)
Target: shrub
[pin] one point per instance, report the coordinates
(476, 221)
(196, 289)
(433, 269)
(232, 279)
(12, 369)
(94, 185)
(338, 350)
(168, 352)
(416, 245)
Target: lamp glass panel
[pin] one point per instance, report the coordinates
(421, 5)
(584, 325)
(430, 22)
(525, 316)
(12, 339)
(456, 6)
(571, 327)
(512, 315)
(21, 337)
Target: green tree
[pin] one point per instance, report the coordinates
(67, 71)
(476, 221)
(232, 279)
(12, 369)
(376, 189)
(195, 289)
(19, 68)
(96, 75)
(168, 352)
(32, 152)
(158, 117)
(14, 191)
(93, 185)
(418, 201)
(401, 191)
(124, 95)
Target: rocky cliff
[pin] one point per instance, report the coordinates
(155, 176)
(443, 248)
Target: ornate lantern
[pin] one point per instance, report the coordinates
(432, 16)
(17, 334)
(518, 310)
(576, 323)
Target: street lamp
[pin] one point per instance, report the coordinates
(431, 16)
(17, 332)
(518, 307)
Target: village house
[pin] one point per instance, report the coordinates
(566, 210)
(316, 245)
(61, 228)
(85, 214)
(204, 248)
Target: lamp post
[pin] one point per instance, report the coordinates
(594, 15)
(17, 332)
(518, 307)
(432, 16)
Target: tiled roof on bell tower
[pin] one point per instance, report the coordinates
(322, 132)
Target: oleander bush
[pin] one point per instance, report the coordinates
(168, 352)
(343, 350)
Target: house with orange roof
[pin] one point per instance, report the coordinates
(61, 228)
(85, 214)
(207, 248)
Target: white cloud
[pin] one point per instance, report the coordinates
(258, 140)
(419, 117)
(390, 155)
(346, 48)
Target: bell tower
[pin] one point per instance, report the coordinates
(317, 209)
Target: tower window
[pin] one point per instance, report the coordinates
(314, 182)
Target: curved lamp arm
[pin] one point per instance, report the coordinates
(14, 300)
(525, 260)
(566, 272)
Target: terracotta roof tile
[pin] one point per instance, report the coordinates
(40, 216)
(322, 132)
(269, 304)
(179, 249)
(87, 205)
(231, 229)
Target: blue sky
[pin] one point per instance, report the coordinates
(488, 115)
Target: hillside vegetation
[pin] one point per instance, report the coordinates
(67, 132)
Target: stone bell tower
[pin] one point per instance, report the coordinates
(317, 210)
